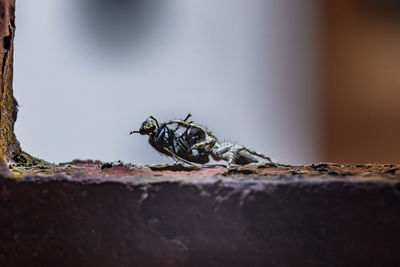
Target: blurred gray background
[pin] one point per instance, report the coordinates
(88, 72)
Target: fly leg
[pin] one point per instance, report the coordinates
(210, 143)
(176, 157)
(187, 117)
(151, 117)
(234, 153)
(185, 120)
(187, 125)
(221, 153)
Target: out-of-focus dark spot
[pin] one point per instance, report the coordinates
(116, 26)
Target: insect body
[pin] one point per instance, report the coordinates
(172, 143)
(192, 143)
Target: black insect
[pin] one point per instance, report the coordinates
(174, 142)
(192, 143)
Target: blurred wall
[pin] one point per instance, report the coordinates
(88, 72)
(361, 81)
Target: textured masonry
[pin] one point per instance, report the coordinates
(89, 214)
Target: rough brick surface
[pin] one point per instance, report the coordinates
(172, 216)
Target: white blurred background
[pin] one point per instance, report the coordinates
(88, 72)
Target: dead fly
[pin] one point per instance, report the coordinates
(191, 143)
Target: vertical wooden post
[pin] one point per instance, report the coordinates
(361, 81)
(9, 145)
